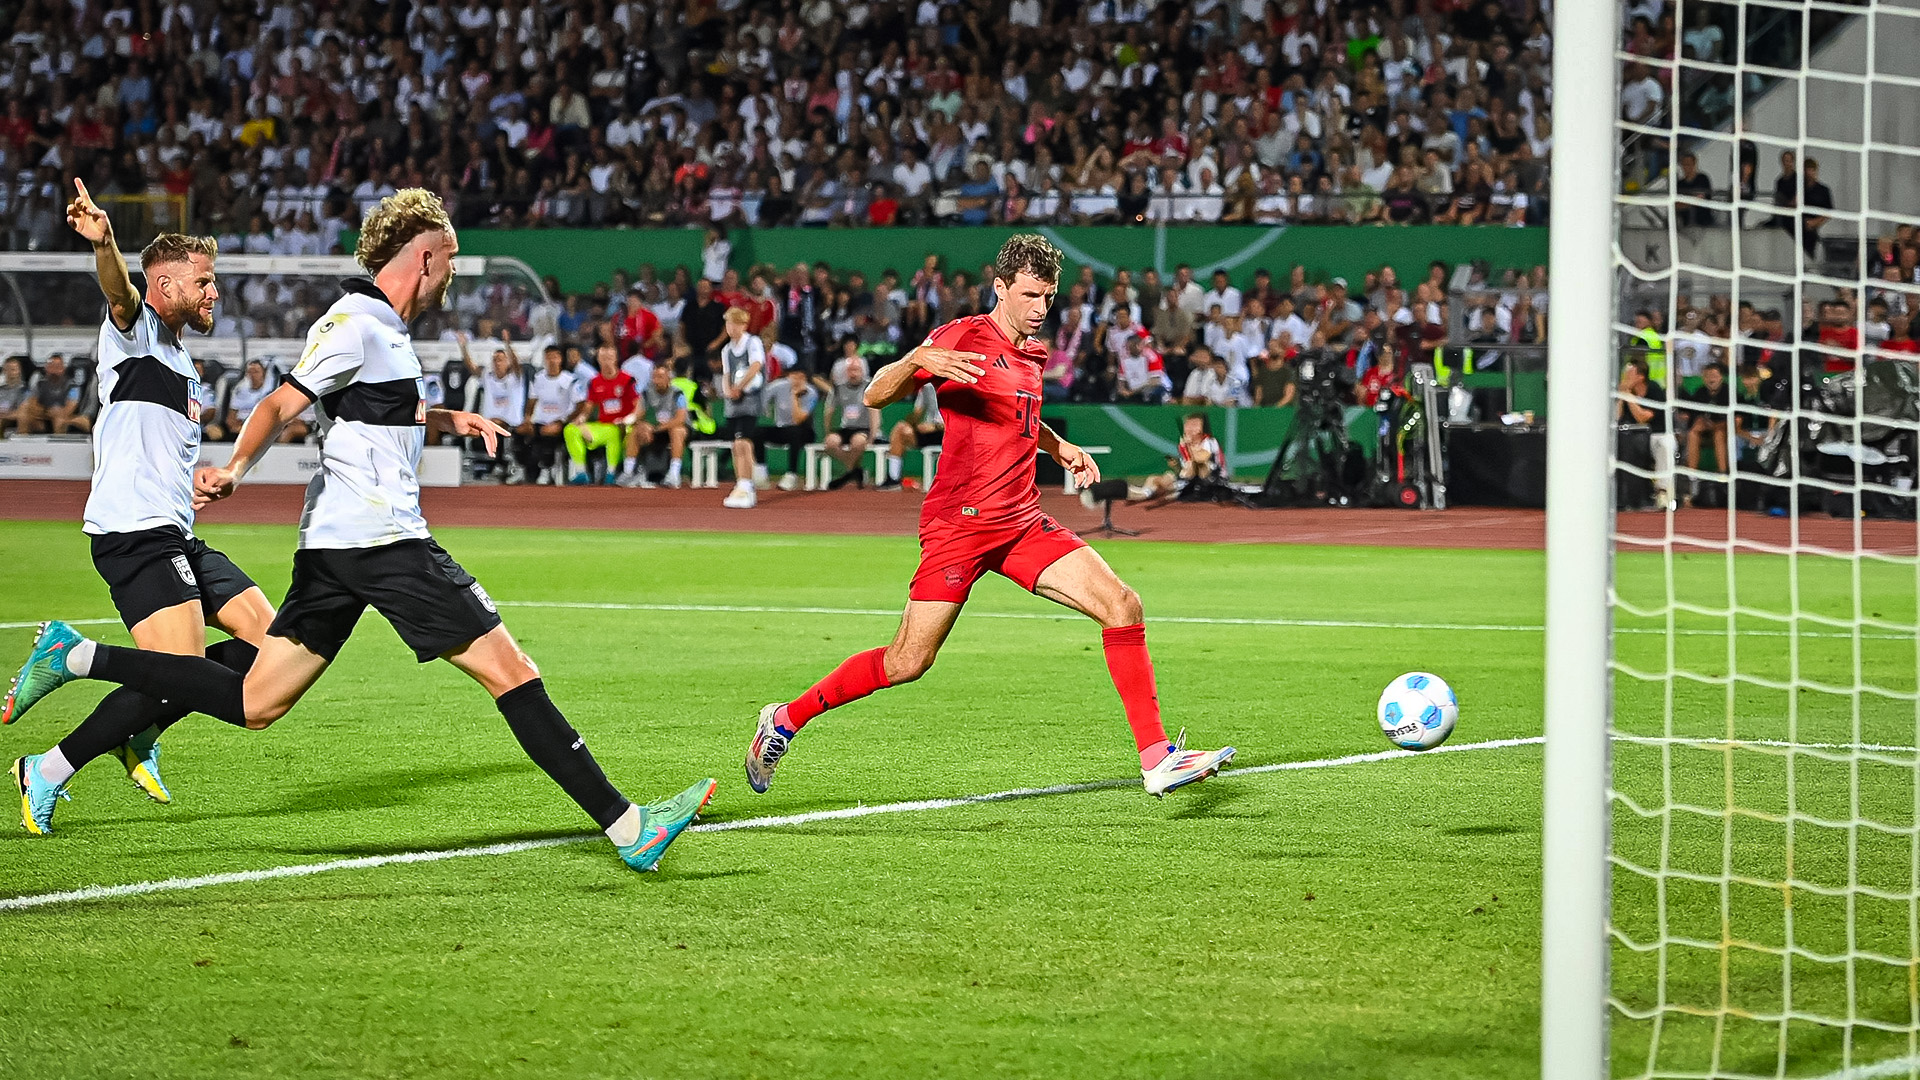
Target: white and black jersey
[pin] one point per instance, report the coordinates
(555, 397)
(146, 441)
(735, 360)
(359, 367)
(504, 398)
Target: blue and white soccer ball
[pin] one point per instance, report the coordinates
(1418, 711)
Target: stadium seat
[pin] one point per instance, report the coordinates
(819, 466)
(706, 461)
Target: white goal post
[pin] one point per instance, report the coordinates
(1573, 982)
(1731, 865)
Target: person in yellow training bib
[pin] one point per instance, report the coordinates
(1647, 336)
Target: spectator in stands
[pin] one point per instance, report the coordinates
(923, 427)
(850, 423)
(551, 401)
(1275, 383)
(790, 404)
(13, 394)
(1693, 184)
(1197, 458)
(1142, 374)
(1209, 383)
(660, 429)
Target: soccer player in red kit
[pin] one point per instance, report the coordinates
(983, 514)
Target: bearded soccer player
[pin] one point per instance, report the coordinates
(983, 514)
(167, 584)
(364, 543)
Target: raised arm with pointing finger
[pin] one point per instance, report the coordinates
(91, 222)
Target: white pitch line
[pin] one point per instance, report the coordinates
(1067, 616)
(142, 888)
(1879, 1070)
(70, 622)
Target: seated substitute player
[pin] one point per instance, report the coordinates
(661, 428)
(551, 398)
(850, 423)
(363, 541)
(925, 426)
(247, 395)
(600, 422)
(790, 405)
(983, 514)
(166, 583)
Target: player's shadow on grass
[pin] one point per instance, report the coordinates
(392, 787)
(1484, 830)
(1208, 800)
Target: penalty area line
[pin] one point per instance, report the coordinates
(239, 877)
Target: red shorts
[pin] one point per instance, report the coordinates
(953, 557)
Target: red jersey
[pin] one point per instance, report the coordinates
(639, 325)
(993, 429)
(613, 399)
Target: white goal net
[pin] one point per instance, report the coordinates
(1762, 834)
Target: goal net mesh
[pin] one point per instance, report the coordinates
(1765, 816)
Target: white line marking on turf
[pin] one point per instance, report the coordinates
(142, 888)
(70, 622)
(1068, 616)
(1903, 1066)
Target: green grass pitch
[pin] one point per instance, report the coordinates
(1366, 920)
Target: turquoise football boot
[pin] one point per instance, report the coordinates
(37, 795)
(661, 822)
(44, 672)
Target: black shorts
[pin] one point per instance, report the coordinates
(155, 569)
(929, 438)
(847, 433)
(414, 584)
(741, 427)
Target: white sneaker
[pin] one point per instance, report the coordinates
(634, 479)
(673, 480)
(516, 476)
(1183, 767)
(789, 482)
(545, 479)
(743, 498)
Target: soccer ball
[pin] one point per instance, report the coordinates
(1418, 711)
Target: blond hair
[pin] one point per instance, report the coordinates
(739, 315)
(175, 247)
(393, 224)
(1030, 252)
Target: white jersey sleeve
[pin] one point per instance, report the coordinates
(336, 350)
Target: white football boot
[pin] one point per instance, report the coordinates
(1182, 767)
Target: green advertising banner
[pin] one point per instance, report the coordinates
(579, 258)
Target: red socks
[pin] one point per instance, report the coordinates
(1132, 671)
(856, 677)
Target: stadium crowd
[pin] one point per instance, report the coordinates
(282, 122)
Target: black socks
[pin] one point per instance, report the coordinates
(185, 683)
(559, 751)
(127, 712)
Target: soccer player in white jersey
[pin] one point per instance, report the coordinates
(550, 400)
(166, 583)
(364, 543)
(503, 399)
